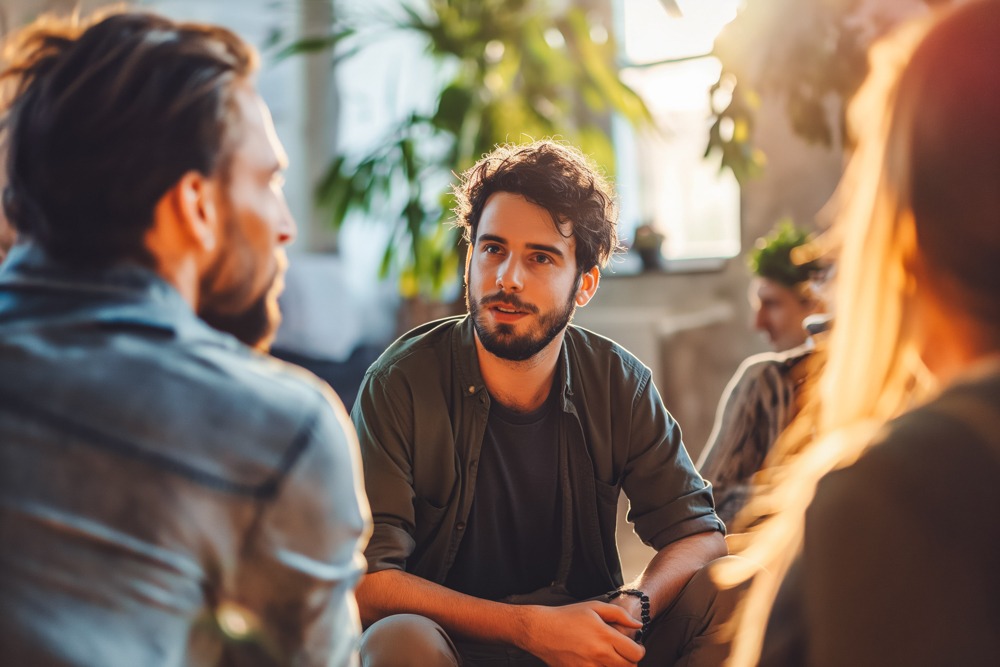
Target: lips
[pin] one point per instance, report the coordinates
(507, 302)
(505, 314)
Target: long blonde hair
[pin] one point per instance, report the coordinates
(873, 371)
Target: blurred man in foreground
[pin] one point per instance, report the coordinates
(167, 494)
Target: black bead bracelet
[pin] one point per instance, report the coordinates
(644, 604)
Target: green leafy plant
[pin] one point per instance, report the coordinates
(519, 72)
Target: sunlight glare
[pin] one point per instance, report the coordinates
(651, 34)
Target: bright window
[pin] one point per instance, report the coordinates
(663, 176)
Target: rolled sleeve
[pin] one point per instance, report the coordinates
(668, 499)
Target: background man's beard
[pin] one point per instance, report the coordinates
(503, 343)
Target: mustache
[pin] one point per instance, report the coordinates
(509, 300)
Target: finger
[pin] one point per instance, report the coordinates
(628, 649)
(629, 632)
(611, 613)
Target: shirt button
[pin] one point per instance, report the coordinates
(472, 389)
(460, 526)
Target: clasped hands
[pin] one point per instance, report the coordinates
(585, 634)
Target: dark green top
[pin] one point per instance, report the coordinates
(421, 415)
(513, 537)
(899, 564)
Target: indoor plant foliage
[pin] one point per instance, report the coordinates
(520, 72)
(812, 55)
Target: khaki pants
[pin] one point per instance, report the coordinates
(687, 634)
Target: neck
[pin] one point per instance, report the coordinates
(184, 277)
(952, 341)
(950, 359)
(520, 385)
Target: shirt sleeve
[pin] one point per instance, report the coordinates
(668, 499)
(302, 559)
(384, 432)
(751, 415)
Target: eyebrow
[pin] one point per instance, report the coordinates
(493, 238)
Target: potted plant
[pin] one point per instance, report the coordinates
(648, 244)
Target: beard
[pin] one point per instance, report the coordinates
(255, 324)
(503, 342)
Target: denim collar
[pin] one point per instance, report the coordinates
(123, 294)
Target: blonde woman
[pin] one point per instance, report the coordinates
(895, 561)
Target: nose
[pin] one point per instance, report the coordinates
(759, 320)
(509, 275)
(287, 229)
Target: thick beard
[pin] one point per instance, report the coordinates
(503, 343)
(255, 325)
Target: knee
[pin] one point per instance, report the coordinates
(407, 640)
(708, 594)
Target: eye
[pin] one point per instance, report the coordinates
(492, 249)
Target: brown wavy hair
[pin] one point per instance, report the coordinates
(557, 177)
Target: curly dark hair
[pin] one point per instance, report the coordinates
(104, 117)
(557, 177)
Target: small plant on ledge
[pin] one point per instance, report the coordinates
(648, 244)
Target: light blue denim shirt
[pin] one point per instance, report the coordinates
(166, 494)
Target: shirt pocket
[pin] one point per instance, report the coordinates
(427, 519)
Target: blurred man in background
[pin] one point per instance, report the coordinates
(768, 389)
(780, 292)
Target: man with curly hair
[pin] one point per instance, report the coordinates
(495, 446)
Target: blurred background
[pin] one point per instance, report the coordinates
(715, 119)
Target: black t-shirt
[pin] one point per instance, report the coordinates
(512, 538)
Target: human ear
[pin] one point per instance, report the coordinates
(195, 196)
(589, 281)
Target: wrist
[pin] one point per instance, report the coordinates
(644, 607)
(520, 627)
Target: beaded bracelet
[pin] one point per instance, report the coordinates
(644, 603)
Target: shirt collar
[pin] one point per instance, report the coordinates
(464, 351)
(125, 293)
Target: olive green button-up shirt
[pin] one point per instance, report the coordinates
(421, 416)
